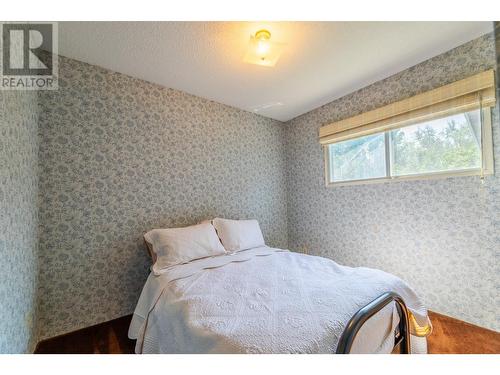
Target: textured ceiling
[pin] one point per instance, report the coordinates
(321, 62)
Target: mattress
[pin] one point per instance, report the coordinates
(267, 300)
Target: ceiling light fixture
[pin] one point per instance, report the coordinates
(262, 51)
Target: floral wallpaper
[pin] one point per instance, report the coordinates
(497, 42)
(120, 156)
(115, 156)
(18, 221)
(442, 236)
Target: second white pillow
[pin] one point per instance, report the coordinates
(237, 235)
(181, 245)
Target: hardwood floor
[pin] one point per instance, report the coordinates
(105, 338)
(455, 336)
(449, 336)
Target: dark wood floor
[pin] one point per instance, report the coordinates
(105, 338)
(449, 336)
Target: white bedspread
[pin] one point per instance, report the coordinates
(266, 300)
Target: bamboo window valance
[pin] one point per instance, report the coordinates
(461, 96)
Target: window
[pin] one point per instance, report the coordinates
(358, 159)
(442, 132)
(452, 145)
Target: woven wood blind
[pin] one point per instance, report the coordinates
(461, 96)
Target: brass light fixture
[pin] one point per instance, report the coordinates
(261, 51)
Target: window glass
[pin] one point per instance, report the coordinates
(358, 159)
(449, 144)
(442, 146)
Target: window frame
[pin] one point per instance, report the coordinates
(486, 154)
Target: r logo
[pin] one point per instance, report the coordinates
(24, 47)
(28, 56)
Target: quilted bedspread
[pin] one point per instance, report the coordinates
(266, 300)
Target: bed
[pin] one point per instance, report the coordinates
(268, 300)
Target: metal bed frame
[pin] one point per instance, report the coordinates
(401, 336)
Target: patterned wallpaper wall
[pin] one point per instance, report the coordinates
(18, 221)
(442, 236)
(497, 42)
(120, 156)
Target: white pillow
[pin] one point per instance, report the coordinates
(237, 235)
(181, 245)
